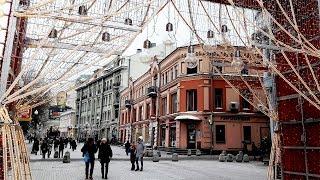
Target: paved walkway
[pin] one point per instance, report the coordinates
(163, 170)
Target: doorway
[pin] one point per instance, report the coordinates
(191, 136)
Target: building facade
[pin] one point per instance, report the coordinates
(173, 105)
(67, 124)
(97, 101)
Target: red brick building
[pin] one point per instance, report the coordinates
(171, 105)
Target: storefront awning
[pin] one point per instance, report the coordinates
(187, 117)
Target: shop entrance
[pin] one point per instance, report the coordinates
(191, 136)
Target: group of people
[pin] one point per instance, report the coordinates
(136, 152)
(90, 148)
(48, 144)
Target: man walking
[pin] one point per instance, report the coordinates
(61, 147)
(104, 155)
(127, 147)
(140, 153)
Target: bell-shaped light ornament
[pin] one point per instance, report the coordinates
(105, 37)
(147, 44)
(237, 62)
(128, 21)
(83, 11)
(53, 33)
(210, 45)
(169, 27)
(191, 59)
(224, 33)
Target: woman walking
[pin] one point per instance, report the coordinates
(104, 155)
(88, 150)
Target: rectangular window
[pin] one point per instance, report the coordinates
(166, 77)
(148, 111)
(247, 134)
(171, 75)
(192, 100)
(174, 103)
(220, 134)
(140, 113)
(164, 106)
(176, 73)
(218, 98)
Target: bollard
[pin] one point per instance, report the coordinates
(155, 156)
(66, 157)
(229, 158)
(198, 152)
(246, 158)
(189, 152)
(222, 157)
(175, 157)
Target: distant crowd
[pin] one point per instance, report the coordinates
(48, 145)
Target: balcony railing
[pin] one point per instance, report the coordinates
(152, 91)
(128, 103)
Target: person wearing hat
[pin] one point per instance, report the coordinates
(104, 155)
(139, 153)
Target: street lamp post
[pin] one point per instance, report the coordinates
(211, 128)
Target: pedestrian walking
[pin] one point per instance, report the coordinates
(127, 147)
(132, 151)
(61, 147)
(50, 142)
(73, 145)
(55, 144)
(139, 154)
(35, 146)
(254, 150)
(88, 150)
(44, 148)
(104, 156)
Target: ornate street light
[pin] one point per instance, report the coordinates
(128, 21)
(191, 59)
(237, 62)
(169, 27)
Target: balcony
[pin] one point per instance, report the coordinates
(116, 103)
(128, 103)
(152, 91)
(116, 84)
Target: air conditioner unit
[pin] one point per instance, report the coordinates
(234, 106)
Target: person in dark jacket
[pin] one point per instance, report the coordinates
(127, 147)
(132, 151)
(73, 145)
(44, 148)
(35, 146)
(61, 147)
(88, 150)
(104, 155)
(55, 145)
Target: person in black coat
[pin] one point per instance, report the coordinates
(61, 147)
(44, 148)
(104, 155)
(35, 147)
(127, 147)
(88, 150)
(132, 151)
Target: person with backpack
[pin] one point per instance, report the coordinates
(88, 152)
(104, 156)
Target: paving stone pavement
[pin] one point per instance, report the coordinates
(163, 170)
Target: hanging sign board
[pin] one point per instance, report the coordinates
(24, 114)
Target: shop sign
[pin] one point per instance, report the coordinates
(235, 118)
